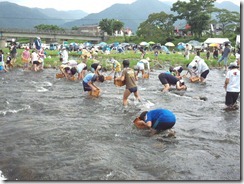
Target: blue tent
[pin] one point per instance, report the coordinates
(115, 44)
(165, 49)
(180, 47)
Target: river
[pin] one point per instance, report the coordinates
(52, 130)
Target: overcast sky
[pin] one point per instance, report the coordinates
(89, 6)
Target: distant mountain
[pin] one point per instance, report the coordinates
(135, 13)
(131, 14)
(228, 5)
(15, 16)
(67, 16)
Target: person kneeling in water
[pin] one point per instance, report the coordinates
(157, 120)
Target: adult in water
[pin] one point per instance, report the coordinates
(167, 80)
(157, 119)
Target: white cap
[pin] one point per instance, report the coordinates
(233, 65)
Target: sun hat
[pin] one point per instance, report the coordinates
(197, 58)
(233, 65)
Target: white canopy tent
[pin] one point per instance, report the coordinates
(216, 40)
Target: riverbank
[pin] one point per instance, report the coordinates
(173, 59)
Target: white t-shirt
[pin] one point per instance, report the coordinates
(65, 56)
(34, 57)
(234, 80)
(80, 67)
(72, 63)
(201, 66)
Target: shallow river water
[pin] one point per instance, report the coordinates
(52, 130)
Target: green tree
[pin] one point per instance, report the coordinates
(156, 27)
(46, 27)
(75, 28)
(228, 20)
(110, 25)
(197, 13)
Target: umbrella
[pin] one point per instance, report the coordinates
(144, 44)
(194, 43)
(115, 44)
(158, 47)
(214, 45)
(151, 42)
(181, 43)
(181, 47)
(169, 44)
(102, 43)
(165, 49)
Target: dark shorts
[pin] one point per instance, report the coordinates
(162, 79)
(204, 74)
(86, 87)
(164, 126)
(231, 98)
(36, 63)
(13, 55)
(133, 90)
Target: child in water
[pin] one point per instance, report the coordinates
(128, 76)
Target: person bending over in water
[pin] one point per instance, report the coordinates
(116, 67)
(140, 67)
(167, 80)
(81, 70)
(176, 71)
(68, 71)
(202, 69)
(89, 81)
(157, 120)
(128, 76)
(95, 68)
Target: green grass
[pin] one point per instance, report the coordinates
(173, 59)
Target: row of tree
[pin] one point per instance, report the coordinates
(199, 14)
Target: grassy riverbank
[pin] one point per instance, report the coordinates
(174, 59)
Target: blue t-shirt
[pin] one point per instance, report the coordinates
(90, 77)
(226, 51)
(160, 115)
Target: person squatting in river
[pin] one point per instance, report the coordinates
(157, 119)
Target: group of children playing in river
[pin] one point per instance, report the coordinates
(197, 69)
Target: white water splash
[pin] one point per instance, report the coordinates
(42, 89)
(13, 111)
(2, 177)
